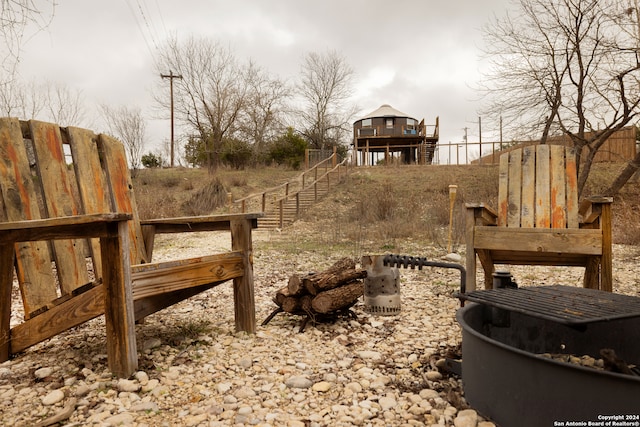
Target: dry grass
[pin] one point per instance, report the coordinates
(412, 202)
(163, 193)
(386, 204)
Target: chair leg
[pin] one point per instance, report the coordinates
(7, 257)
(471, 270)
(606, 279)
(487, 265)
(592, 274)
(243, 292)
(119, 314)
(471, 262)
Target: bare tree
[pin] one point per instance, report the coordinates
(129, 126)
(565, 67)
(325, 88)
(212, 92)
(63, 105)
(15, 16)
(51, 101)
(23, 100)
(262, 119)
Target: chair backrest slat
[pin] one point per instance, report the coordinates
(20, 199)
(121, 189)
(527, 211)
(538, 188)
(92, 186)
(43, 177)
(542, 179)
(56, 181)
(571, 168)
(503, 191)
(558, 186)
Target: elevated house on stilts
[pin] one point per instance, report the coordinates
(387, 134)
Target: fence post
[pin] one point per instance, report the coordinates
(281, 213)
(264, 201)
(306, 158)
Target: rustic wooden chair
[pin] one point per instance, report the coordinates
(538, 220)
(71, 228)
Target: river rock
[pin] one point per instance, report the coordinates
(53, 397)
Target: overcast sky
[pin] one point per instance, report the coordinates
(420, 56)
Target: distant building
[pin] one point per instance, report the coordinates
(387, 133)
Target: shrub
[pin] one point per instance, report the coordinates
(236, 153)
(207, 199)
(151, 160)
(288, 149)
(194, 152)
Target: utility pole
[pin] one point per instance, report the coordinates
(480, 137)
(500, 133)
(171, 76)
(466, 144)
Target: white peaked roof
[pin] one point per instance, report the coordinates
(386, 110)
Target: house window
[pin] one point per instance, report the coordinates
(411, 124)
(389, 123)
(366, 123)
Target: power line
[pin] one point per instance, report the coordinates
(135, 18)
(146, 22)
(164, 27)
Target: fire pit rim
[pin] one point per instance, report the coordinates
(467, 327)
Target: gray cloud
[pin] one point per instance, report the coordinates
(420, 56)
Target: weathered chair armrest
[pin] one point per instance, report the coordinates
(591, 208)
(68, 227)
(199, 223)
(482, 214)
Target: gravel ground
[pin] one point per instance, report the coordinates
(195, 371)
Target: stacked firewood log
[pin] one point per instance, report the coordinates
(320, 293)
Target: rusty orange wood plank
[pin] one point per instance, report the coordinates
(503, 191)
(573, 220)
(92, 185)
(58, 193)
(527, 205)
(558, 187)
(514, 188)
(543, 198)
(33, 260)
(121, 189)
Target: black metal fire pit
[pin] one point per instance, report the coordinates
(562, 304)
(506, 378)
